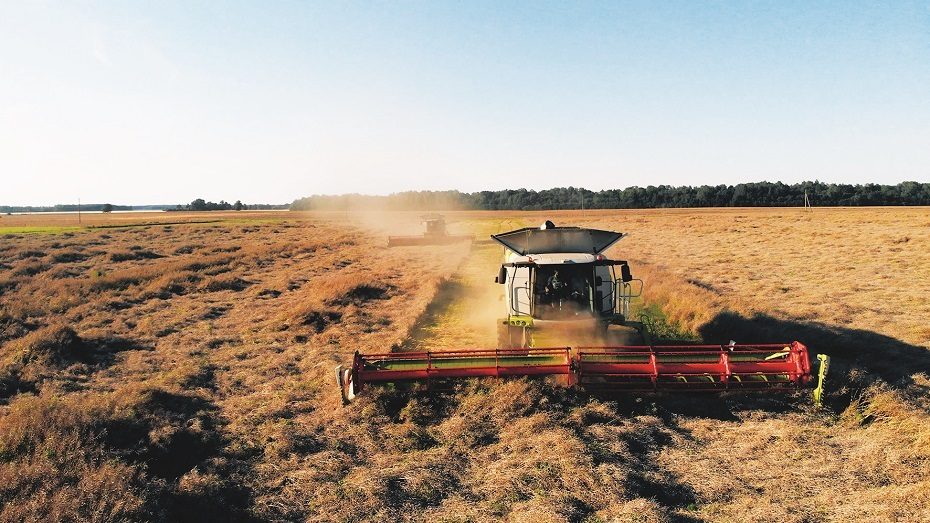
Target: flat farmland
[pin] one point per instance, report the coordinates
(178, 366)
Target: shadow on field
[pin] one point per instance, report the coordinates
(645, 476)
(191, 438)
(102, 351)
(178, 440)
(875, 355)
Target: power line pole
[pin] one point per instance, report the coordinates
(79, 211)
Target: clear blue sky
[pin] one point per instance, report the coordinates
(162, 102)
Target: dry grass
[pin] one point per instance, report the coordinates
(70, 222)
(182, 372)
(163, 352)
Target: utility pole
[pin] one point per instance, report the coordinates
(79, 211)
(807, 202)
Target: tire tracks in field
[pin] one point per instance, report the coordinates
(462, 312)
(465, 307)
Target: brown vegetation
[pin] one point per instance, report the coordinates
(183, 372)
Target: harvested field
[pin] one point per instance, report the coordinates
(182, 371)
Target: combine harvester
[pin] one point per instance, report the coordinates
(435, 234)
(558, 280)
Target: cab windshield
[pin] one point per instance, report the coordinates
(562, 291)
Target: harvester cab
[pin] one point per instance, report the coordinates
(557, 279)
(435, 224)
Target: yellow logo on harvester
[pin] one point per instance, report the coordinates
(520, 321)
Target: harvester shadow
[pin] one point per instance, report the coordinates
(720, 406)
(858, 357)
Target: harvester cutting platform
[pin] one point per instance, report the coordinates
(558, 280)
(435, 234)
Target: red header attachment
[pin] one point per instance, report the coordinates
(635, 368)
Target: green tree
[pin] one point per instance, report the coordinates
(107, 208)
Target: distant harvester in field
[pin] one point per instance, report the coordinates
(435, 234)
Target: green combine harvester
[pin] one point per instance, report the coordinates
(559, 284)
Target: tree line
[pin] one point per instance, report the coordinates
(202, 205)
(758, 194)
(87, 207)
(197, 205)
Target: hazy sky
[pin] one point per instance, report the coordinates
(163, 102)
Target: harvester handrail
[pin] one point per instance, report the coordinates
(690, 349)
(696, 373)
(716, 347)
(683, 352)
(465, 353)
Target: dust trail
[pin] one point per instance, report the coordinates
(387, 222)
(465, 311)
(375, 217)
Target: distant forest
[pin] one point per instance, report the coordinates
(197, 205)
(202, 205)
(88, 207)
(762, 194)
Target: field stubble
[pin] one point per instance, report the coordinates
(182, 372)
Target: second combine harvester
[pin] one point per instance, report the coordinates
(557, 280)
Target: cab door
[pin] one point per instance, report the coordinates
(604, 298)
(519, 296)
